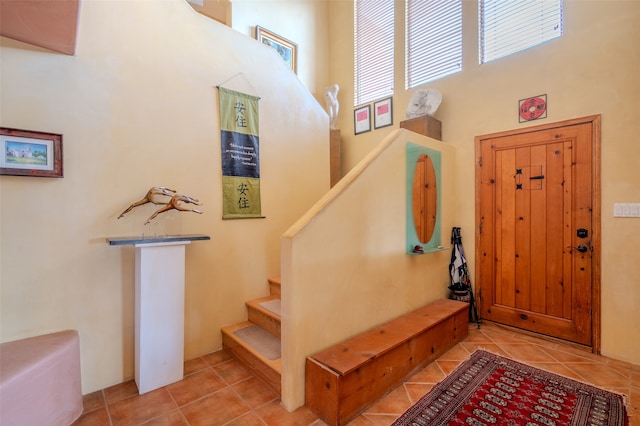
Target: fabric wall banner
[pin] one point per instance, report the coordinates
(239, 141)
(241, 197)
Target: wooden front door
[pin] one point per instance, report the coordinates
(537, 237)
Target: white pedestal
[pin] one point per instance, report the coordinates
(159, 301)
(159, 308)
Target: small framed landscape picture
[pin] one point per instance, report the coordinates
(383, 113)
(29, 153)
(288, 50)
(362, 119)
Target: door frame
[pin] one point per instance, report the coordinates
(594, 120)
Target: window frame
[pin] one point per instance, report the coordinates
(438, 24)
(374, 50)
(508, 38)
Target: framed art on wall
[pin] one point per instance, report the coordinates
(30, 153)
(383, 113)
(532, 108)
(362, 119)
(287, 49)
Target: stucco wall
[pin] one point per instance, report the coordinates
(137, 107)
(303, 22)
(591, 69)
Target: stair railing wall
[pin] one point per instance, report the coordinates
(344, 265)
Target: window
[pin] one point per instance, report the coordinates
(433, 40)
(373, 44)
(508, 27)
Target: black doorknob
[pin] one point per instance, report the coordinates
(582, 248)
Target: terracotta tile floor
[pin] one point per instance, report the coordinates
(218, 391)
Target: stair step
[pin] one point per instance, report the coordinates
(257, 350)
(274, 286)
(265, 312)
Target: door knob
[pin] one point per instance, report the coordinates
(581, 248)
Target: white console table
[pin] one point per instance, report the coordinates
(159, 308)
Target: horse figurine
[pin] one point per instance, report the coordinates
(174, 204)
(155, 195)
(158, 195)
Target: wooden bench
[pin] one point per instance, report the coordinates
(343, 380)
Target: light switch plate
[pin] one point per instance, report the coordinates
(626, 209)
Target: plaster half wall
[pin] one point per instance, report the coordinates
(345, 266)
(137, 106)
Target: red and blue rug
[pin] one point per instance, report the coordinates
(488, 389)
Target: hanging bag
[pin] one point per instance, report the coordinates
(460, 281)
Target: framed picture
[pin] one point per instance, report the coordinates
(532, 108)
(383, 113)
(287, 49)
(28, 153)
(362, 119)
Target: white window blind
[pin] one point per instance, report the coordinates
(433, 40)
(373, 44)
(507, 27)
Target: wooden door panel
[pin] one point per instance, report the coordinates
(534, 190)
(582, 218)
(538, 254)
(522, 228)
(505, 235)
(559, 186)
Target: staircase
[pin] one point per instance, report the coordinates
(256, 343)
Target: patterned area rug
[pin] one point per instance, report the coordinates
(488, 389)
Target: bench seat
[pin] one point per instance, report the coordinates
(40, 380)
(345, 379)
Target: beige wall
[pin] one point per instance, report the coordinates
(591, 69)
(137, 107)
(303, 22)
(345, 267)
